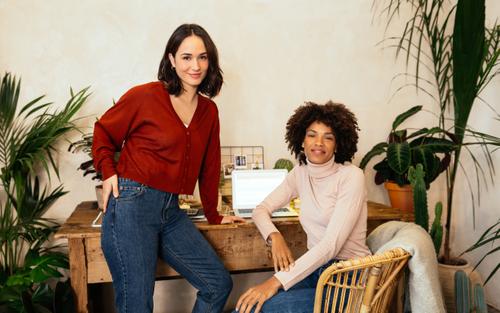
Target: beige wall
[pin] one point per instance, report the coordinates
(275, 55)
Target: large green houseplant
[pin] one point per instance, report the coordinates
(452, 65)
(28, 264)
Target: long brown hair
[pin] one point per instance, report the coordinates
(212, 83)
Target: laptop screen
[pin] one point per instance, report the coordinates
(250, 187)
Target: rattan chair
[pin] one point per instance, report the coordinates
(361, 285)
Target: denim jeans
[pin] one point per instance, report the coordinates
(143, 224)
(299, 298)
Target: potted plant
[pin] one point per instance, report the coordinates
(85, 145)
(404, 149)
(283, 164)
(288, 165)
(27, 148)
(461, 60)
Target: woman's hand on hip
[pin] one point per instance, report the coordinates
(110, 185)
(232, 219)
(258, 295)
(282, 256)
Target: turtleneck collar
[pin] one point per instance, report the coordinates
(322, 170)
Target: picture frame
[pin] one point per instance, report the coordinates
(240, 161)
(227, 169)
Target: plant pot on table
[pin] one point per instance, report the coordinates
(401, 197)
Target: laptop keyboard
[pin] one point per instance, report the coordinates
(281, 210)
(245, 210)
(251, 210)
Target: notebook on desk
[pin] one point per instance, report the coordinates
(250, 187)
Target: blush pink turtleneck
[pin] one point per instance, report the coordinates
(333, 214)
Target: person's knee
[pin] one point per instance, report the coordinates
(217, 288)
(225, 284)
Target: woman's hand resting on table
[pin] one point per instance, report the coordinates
(282, 256)
(232, 219)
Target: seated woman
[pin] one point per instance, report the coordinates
(333, 213)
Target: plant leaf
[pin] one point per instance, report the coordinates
(376, 150)
(405, 115)
(399, 157)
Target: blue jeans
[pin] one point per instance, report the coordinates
(299, 298)
(143, 224)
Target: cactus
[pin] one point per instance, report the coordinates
(468, 300)
(283, 163)
(436, 228)
(462, 292)
(416, 178)
(479, 300)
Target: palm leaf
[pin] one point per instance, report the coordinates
(489, 236)
(9, 95)
(485, 237)
(468, 57)
(36, 108)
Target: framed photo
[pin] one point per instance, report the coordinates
(228, 169)
(257, 166)
(240, 161)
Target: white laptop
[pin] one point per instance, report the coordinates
(250, 187)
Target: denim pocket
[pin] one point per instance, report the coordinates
(129, 189)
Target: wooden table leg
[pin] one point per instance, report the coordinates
(78, 272)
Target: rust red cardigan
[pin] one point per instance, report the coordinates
(157, 149)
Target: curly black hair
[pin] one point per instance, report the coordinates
(336, 116)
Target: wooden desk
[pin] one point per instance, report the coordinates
(240, 246)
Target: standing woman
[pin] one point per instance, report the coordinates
(168, 135)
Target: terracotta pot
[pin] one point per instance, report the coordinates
(401, 198)
(447, 279)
